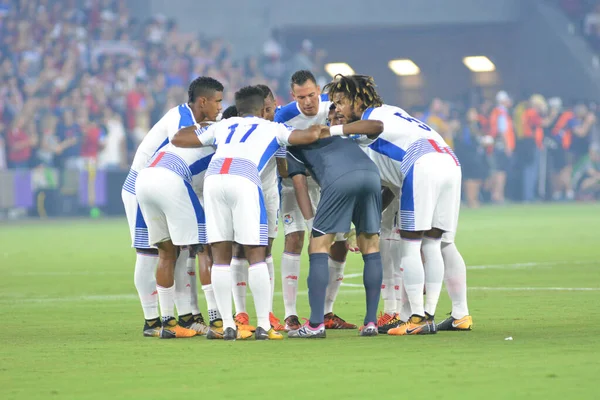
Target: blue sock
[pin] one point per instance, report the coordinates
(372, 279)
(318, 279)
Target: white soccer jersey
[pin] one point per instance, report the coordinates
(244, 145)
(403, 141)
(158, 137)
(189, 163)
(291, 115)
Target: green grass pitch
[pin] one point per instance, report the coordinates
(71, 322)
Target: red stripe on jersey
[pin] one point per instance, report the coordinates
(451, 155)
(157, 159)
(435, 145)
(226, 165)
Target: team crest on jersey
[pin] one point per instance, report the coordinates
(287, 219)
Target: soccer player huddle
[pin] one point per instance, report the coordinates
(357, 174)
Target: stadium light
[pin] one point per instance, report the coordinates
(479, 64)
(338, 68)
(404, 67)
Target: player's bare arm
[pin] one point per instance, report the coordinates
(305, 136)
(188, 136)
(301, 190)
(282, 167)
(370, 128)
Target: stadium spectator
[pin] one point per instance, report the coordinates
(500, 153)
(21, 141)
(469, 147)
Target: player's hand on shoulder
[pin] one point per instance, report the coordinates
(324, 131)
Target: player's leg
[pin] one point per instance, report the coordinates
(337, 264)
(193, 288)
(204, 270)
(366, 216)
(219, 228)
(146, 259)
(239, 284)
(388, 244)
(455, 274)
(156, 189)
(272, 204)
(334, 214)
(251, 230)
(187, 226)
(293, 228)
(417, 201)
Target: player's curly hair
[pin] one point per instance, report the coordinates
(355, 87)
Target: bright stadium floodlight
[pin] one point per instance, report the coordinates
(404, 67)
(479, 64)
(338, 68)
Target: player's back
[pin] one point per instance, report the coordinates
(403, 141)
(245, 145)
(185, 162)
(330, 158)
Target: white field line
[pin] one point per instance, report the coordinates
(505, 266)
(132, 297)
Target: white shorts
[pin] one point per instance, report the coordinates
(272, 203)
(137, 226)
(235, 211)
(390, 223)
(431, 195)
(170, 207)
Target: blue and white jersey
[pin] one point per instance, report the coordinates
(188, 163)
(244, 145)
(157, 138)
(403, 141)
(291, 115)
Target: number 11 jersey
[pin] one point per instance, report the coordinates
(244, 145)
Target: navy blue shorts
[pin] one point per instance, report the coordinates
(352, 198)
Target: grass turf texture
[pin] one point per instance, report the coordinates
(72, 322)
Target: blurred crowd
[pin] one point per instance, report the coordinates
(531, 150)
(84, 80)
(586, 13)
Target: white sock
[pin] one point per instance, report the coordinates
(290, 272)
(434, 272)
(183, 303)
(221, 282)
(258, 280)
(271, 267)
(144, 278)
(211, 303)
(413, 275)
(191, 271)
(456, 279)
(387, 286)
(166, 298)
(395, 250)
(404, 307)
(336, 276)
(239, 283)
